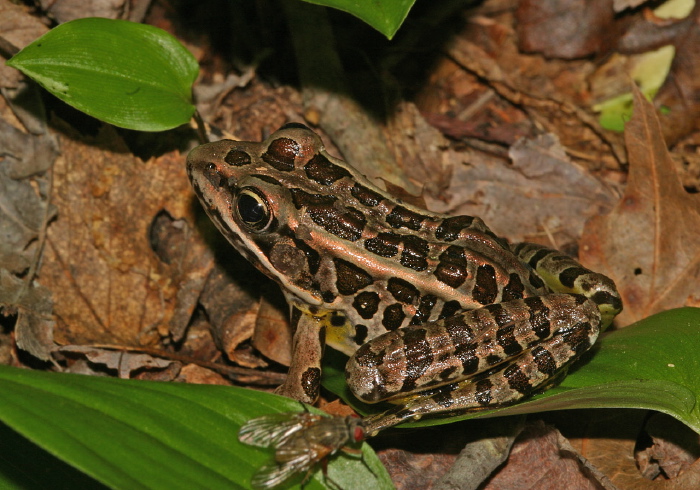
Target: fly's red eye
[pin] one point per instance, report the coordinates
(359, 434)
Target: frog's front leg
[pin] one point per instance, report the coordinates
(487, 357)
(304, 377)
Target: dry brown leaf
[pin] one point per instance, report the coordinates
(425, 458)
(607, 439)
(234, 299)
(273, 334)
(542, 447)
(32, 304)
(191, 373)
(674, 448)
(67, 10)
(490, 442)
(540, 196)
(125, 363)
(554, 94)
(231, 306)
(568, 28)
(18, 28)
(648, 244)
(336, 408)
(31, 151)
(109, 285)
(411, 470)
(185, 264)
(23, 213)
(680, 93)
(418, 149)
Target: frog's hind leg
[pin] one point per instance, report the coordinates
(504, 385)
(417, 358)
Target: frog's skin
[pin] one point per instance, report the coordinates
(438, 314)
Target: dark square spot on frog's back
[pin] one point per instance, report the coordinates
(402, 291)
(237, 158)
(350, 278)
(323, 172)
(415, 253)
(366, 304)
(401, 216)
(384, 244)
(361, 333)
(366, 196)
(393, 316)
(450, 227)
(485, 287)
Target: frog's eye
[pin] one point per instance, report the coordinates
(253, 210)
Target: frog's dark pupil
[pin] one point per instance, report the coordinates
(251, 210)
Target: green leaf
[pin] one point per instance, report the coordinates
(131, 75)
(139, 434)
(25, 466)
(385, 16)
(653, 364)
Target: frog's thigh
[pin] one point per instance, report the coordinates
(304, 378)
(512, 381)
(414, 359)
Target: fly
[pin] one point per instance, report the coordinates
(300, 440)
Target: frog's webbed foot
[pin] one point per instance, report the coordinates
(304, 378)
(566, 275)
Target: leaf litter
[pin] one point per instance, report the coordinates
(649, 242)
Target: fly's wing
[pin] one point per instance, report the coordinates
(273, 474)
(273, 430)
(300, 440)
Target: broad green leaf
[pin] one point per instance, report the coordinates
(653, 364)
(25, 466)
(138, 434)
(131, 75)
(385, 16)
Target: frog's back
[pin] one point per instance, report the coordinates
(336, 242)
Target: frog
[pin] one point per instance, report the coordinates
(438, 314)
